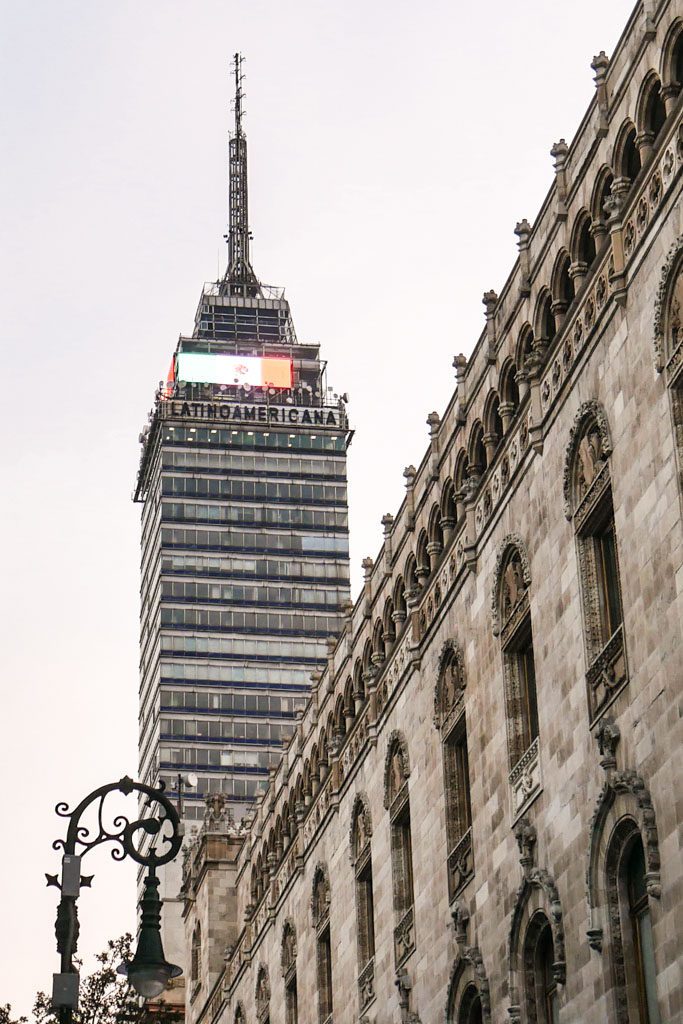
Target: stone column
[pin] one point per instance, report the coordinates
(507, 414)
(645, 144)
(491, 442)
(434, 549)
(577, 272)
(447, 524)
(460, 364)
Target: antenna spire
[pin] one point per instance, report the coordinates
(240, 278)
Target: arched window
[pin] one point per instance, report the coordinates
(546, 329)
(449, 718)
(627, 156)
(588, 503)
(396, 800)
(601, 193)
(493, 427)
(361, 859)
(288, 960)
(240, 1016)
(640, 926)
(541, 986)
(583, 248)
(654, 112)
(512, 622)
(262, 995)
(563, 286)
(470, 1007)
(196, 957)
(476, 452)
(320, 910)
(631, 937)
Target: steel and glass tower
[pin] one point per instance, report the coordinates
(245, 566)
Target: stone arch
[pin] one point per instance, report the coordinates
(399, 595)
(493, 424)
(671, 61)
(512, 544)
(476, 450)
(525, 345)
(388, 624)
(561, 284)
(461, 471)
(262, 994)
(447, 503)
(601, 190)
(349, 701)
(626, 158)
(421, 556)
(396, 747)
(320, 894)
(378, 644)
(410, 574)
(434, 530)
(339, 726)
(361, 808)
(358, 680)
(537, 899)
(450, 681)
(666, 316)
(544, 320)
(624, 797)
(582, 244)
(288, 946)
(467, 972)
(587, 412)
(650, 111)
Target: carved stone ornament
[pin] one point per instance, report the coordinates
(590, 443)
(511, 579)
(396, 767)
(666, 318)
(608, 736)
(450, 682)
(361, 827)
(240, 1015)
(525, 834)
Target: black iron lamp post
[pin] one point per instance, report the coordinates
(148, 971)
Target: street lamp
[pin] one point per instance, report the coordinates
(149, 971)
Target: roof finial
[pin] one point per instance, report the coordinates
(240, 278)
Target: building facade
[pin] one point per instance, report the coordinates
(244, 561)
(479, 816)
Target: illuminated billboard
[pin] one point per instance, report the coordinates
(210, 368)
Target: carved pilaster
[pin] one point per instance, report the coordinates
(523, 231)
(490, 300)
(600, 64)
(460, 364)
(559, 155)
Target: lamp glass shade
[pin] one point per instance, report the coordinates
(149, 972)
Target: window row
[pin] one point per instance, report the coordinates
(281, 676)
(237, 489)
(245, 594)
(229, 462)
(325, 571)
(235, 759)
(273, 649)
(328, 519)
(192, 728)
(177, 537)
(266, 440)
(233, 702)
(309, 624)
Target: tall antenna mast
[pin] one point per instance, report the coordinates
(240, 278)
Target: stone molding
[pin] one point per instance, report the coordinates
(587, 411)
(662, 301)
(512, 540)
(396, 741)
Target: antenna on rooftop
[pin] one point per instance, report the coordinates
(240, 278)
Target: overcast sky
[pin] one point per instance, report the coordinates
(393, 145)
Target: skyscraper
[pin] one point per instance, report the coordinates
(244, 556)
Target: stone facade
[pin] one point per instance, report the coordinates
(453, 832)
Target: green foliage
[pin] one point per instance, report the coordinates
(105, 997)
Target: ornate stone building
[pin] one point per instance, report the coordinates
(479, 817)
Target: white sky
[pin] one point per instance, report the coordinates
(393, 146)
